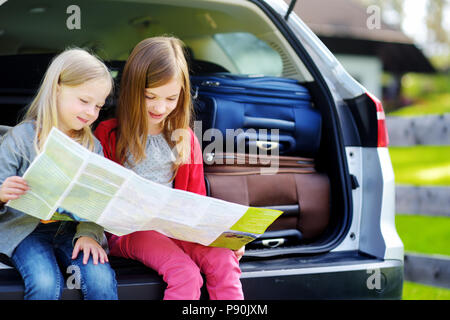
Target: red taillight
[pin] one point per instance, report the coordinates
(383, 138)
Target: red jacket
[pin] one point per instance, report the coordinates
(189, 176)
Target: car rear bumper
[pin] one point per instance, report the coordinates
(364, 280)
(338, 275)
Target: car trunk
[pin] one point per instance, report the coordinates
(213, 28)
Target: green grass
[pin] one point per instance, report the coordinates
(415, 291)
(427, 235)
(433, 104)
(424, 234)
(427, 94)
(421, 165)
(419, 86)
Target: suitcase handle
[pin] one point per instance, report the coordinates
(273, 239)
(284, 143)
(267, 145)
(273, 243)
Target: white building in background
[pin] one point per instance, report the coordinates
(368, 70)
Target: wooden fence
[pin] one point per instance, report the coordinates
(432, 270)
(425, 130)
(435, 201)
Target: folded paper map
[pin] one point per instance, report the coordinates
(68, 182)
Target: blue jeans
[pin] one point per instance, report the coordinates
(40, 255)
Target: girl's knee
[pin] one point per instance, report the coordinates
(43, 286)
(183, 282)
(220, 263)
(222, 256)
(98, 282)
(183, 272)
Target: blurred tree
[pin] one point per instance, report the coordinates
(438, 37)
(435, 21)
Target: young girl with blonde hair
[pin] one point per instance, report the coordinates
(73, 90)
(151, 135)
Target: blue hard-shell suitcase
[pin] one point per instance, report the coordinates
(225, 101)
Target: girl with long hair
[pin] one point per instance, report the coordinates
(151, 135)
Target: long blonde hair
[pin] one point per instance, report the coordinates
(153, 63)
(72, 67)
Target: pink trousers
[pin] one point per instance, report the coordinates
(181, 263)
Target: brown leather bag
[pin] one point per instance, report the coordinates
(290, 184)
